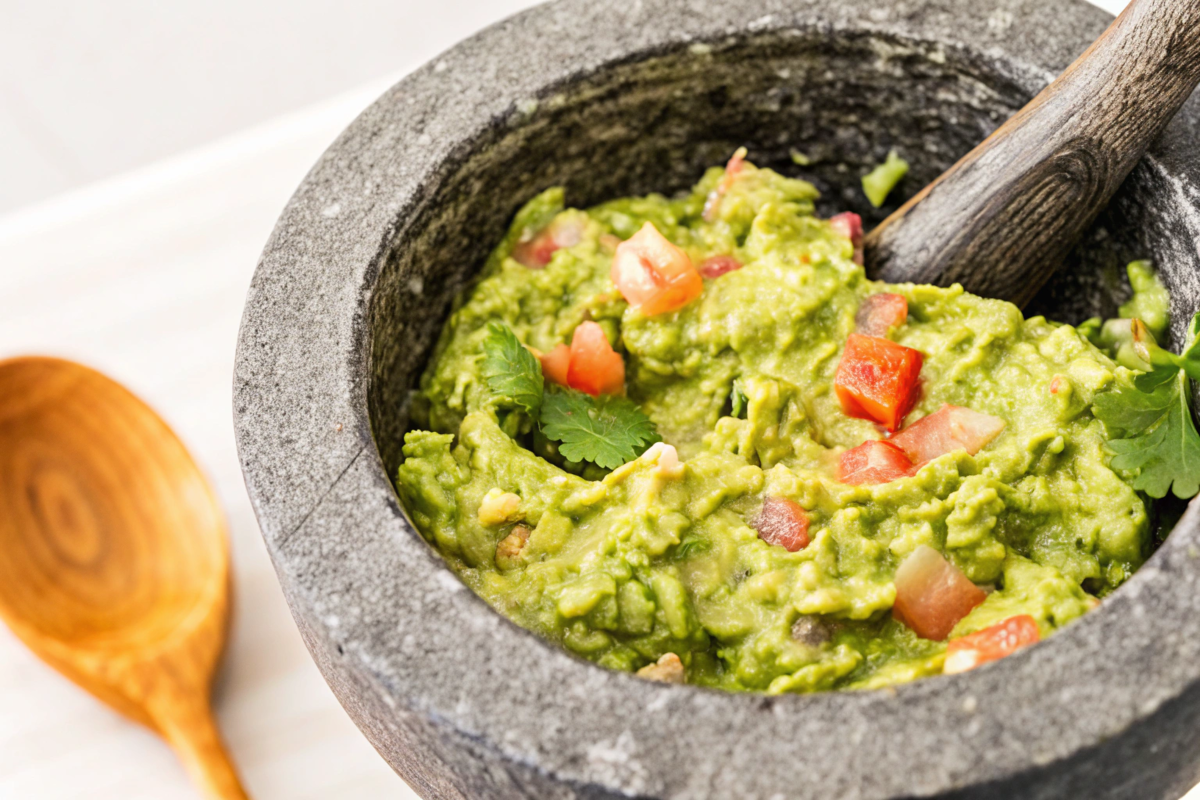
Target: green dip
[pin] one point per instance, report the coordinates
(626, 566)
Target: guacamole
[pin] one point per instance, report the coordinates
(663, 565)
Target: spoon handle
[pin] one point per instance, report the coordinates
(188, 725)
(1001, 220)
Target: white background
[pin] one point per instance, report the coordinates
(146, 148)
(92, 89)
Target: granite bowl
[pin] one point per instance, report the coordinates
(609, 98)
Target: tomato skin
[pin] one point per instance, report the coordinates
(733, 168)
(555, 364)
(537, 251)
(948, 429)
(878, 380)
(991, 644)
(873, 462)
(594, 366)
(784, 523)
(717, 266)
(879, 313)
(933, 595)
(849, 225)
(653, 275)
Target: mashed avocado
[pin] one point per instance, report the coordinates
(659, 559)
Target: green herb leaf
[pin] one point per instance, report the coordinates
(1161, 442)
(1189, 359)
(608, 431)
(691, 546)
(738, 402)
(513, 374)
(1149, 381)
(1129, 411)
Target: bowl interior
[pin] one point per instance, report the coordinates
(656, 120)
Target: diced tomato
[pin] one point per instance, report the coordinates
(536, 252)
(732, 169)
(783, 522)
(1056, 384)
(878, 380)
(873, 462)
(717, 266)
(991, 644)
(654, 275)
(879, 313)
(594, 366)
(948, 429)
(850, 225)
(932, 594)
(555, 364)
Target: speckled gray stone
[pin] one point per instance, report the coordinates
(612, 97)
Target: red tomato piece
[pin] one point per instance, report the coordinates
(536, 252)
(555, 364)
(783, 522)
(878, 380)
(1056, 384)
(732, 169)
(948, 429)
(933, 595)
(654, 275)
(873, 462)
(717, 266)
(594, 366)
(879, 313)
(991, 644)
(850, 225)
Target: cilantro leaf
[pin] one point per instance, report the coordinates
(738, 402)
(1189, 359)
(1149, 381)
(512, 373)
(1126, 410)
(607, 431)
(1162, 442)
(691, 546)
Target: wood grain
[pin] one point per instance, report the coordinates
(1001, 220)
(114, 562)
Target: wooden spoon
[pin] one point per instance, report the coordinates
(114, 559)
(1001, 220)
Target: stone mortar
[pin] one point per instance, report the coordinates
(613, 97)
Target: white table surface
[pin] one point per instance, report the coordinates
(143, 277)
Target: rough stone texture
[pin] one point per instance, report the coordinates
(610, 97)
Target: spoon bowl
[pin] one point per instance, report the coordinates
(114, 559)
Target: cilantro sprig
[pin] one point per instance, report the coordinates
(513, 374)
(607, 431)
(1154, 417)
